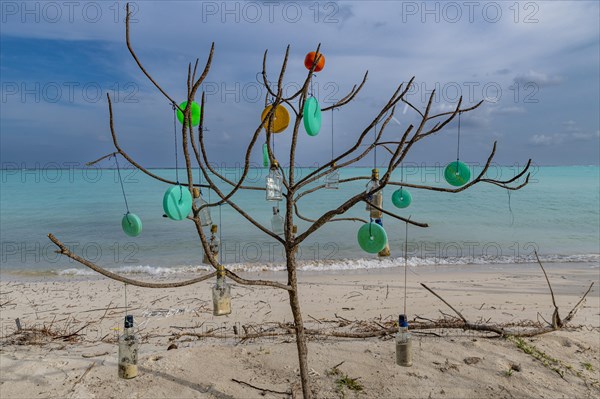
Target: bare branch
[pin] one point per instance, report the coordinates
(63, 250)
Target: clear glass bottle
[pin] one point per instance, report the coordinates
(277, 222)
(403, 343)
(274, 183)
(221, 293)
(128, 351)
(214, 244)
(204, 214)
(332, 180)
(375, 198)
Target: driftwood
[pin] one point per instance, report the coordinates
(295, 187)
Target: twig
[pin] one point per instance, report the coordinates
(94, 355)
(82, 376)
(556, 322)
(261, 389)
(443, 300)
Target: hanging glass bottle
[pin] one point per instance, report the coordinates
(375, 198)
(274, 183)
(214, 245)
(276, 222)
(221, 293)
(128, 351)
(403, 344)
(204, 214)
(332, 180)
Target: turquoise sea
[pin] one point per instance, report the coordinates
(557, 214)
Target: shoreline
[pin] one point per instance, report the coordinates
(397, 267)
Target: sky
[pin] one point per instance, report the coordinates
(536, 65)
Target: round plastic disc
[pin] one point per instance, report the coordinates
(265, 156)
(312, 116)
(177, 202)
(131, 224)
(401, 198)
(372, 238)
(281, 118)
(457, 173)
(195, 111)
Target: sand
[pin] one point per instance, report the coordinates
(449, 364)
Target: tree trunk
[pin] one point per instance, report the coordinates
(298, 323)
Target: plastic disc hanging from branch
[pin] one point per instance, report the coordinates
(281, 118)
(372, 237)
(401, 198)
(312, 116)
(131, 224)
(177, 202)
(265, 155)
(457, 173)
(195, 113)
(309, 60)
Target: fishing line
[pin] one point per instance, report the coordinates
(405, 261)
(333, 109)
(121, 181)
(512, 215)
(458, 142)
(125, 299)
(176, 159)
(375, 151)
(220, 236)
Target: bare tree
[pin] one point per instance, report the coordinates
(295, 187)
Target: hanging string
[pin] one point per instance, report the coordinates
(401, 175)
(458, 143)
(121, 181)
(176, 160)
(375, 152)
(220, 237)
(126, 299)
(311, 85)
(175, 135)
(512, 215)
(333, 109)
(405, 260)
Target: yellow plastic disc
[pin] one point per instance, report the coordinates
(281, 118)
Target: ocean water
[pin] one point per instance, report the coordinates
(557, 214)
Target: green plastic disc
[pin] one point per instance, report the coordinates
(372, 238)
(195, 111)
(401, 198)
(312, 116)
(457, 173)
(265, 156)
(131, 224)
(177, 202)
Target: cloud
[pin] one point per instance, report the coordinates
(537, 78)
(572, 132)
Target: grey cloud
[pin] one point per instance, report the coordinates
(539, 79)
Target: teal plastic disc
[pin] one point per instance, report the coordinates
(194, 111)
(131, 224)
(265, 156)
(177, 202)
(372, 238)
(457, 173)
(401, 198)
(312, 116)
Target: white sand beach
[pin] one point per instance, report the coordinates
(447, 363)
